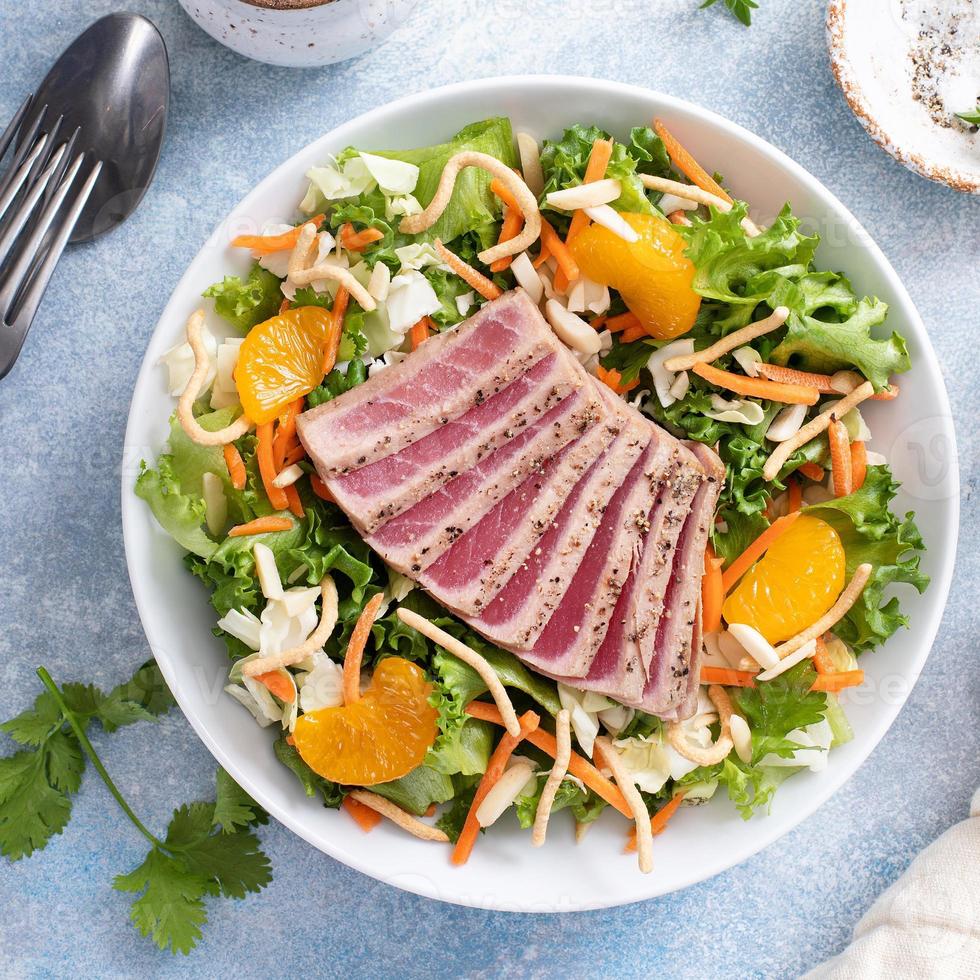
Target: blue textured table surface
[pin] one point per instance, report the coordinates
(66, 598)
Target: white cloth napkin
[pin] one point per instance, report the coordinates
(928, 923)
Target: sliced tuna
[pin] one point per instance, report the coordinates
(482, 561)
(575, 631)
(449, 374)
(414, 539)
(521, 610)
(671, 688)
(391, 485)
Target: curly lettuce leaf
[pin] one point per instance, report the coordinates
(244, 304)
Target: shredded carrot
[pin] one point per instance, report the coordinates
(599, 322)
(624, 321)
(365, 818)
(543, 256)
(822, 659)
(278, 685)
(859, 465)
(357, 241)
(756, 550)
(261, 525)
(757, 387)
(295, 504)
(419, 333)
(577, 766)
(285, 435)
(613, 379)
(264, 244)
(498, 187)
(838, 681)
(283, 306)
(634, 333)
(495, 769)
(294, 454)
(236, 466)
(795, 492)
(811, 470)
(687, 165)
(567, 265)
(659, 821)
(355, 648)
(267, 466)
(679, 217)
(712, 591)
(822, 382)
(727, 677)
(337, 313)
(430, 810)
(484, 286)
(509, 228)
(840, 458)
(320, 488)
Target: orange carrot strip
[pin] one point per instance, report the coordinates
(599, 322)
(261, 525)
(295, 504)
(484, 286)
(236, 466)
(566, 263)
(757, 387)
(337, 313)
(419, 332)
(756, 550)
(687, 165)
(283, 306)
(267, 466)
(679, 217)
(495, 769)
(838, 681)
(365, 818)
(659, 821)
(543, 256)
(264, 244)
(712, 591)
(498, 187)
(430, 810)
(859, 465)
(822, 659)
(511, 226)
(577, 766)
(811, 470)
(283, 440)
(624, 321)
(840, 458)
(320, 488)
(727, 677)
(294, 454)
(795, 495)
(278, 685)
(633, 333)
(357, 241)
(355, 649)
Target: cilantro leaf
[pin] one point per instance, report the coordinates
(971, 116)
(32, 810)
(742, 9)
(234, 809)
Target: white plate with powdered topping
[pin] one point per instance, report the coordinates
(910, 71)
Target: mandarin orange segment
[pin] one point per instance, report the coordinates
(652, 274)
(797, 580)
(380, 737)
(280, 360)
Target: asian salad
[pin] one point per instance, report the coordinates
(713, 324)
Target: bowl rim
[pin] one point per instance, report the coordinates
(844, 75)
(927, 623)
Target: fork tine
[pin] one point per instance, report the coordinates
(12, 335)
(8, 134)
(26, 207)
(24, 146)
(66, 158)
(18, 177)
(49, 147)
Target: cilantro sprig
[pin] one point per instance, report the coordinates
(742, 9)
(971, 116)
(209, 849)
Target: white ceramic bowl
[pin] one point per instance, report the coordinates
(303, 33)
(505, 872)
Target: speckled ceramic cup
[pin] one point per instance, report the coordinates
(299, 33)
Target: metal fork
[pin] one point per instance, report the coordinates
(42, 194)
